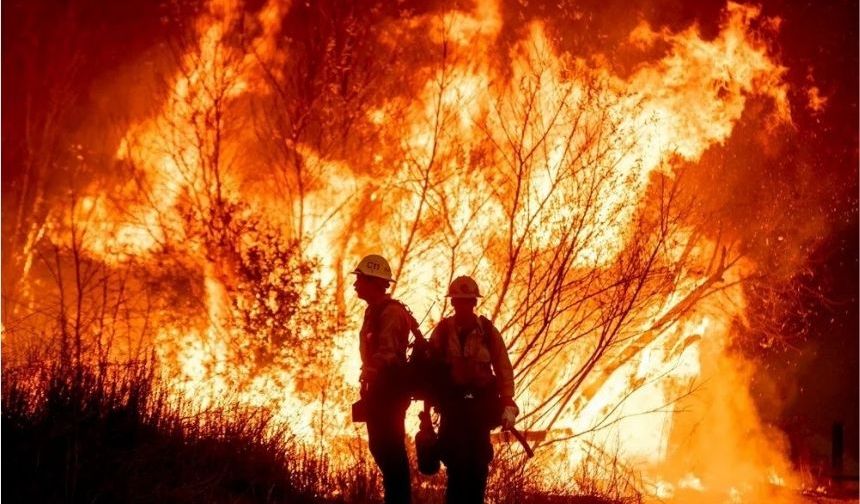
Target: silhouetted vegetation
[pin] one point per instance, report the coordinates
(113, 433)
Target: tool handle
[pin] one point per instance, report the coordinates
(522, 440)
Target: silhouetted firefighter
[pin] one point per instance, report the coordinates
(384, 390)
(475, 394)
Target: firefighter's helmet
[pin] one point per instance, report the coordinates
(463, 287)
(374, 266)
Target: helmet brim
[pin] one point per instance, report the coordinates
(356, 272)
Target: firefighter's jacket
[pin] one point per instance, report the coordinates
(383, 338)
(474, 356)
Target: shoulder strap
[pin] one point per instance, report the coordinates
(486, 328)
(413, 323)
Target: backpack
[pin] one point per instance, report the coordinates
(420, 372)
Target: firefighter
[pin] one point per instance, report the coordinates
(383, 341)
(476, 394)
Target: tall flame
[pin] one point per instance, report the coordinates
(485, 169)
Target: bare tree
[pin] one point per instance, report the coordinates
(46, 69)
(552, 212)
(261, 298)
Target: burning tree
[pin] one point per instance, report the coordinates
(289, 142)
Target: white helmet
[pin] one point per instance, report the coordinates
(463, 287)
(375, 266)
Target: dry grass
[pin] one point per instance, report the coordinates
(111, 434)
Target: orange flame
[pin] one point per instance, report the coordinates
(484, 154)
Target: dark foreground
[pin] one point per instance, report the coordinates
(110, 435)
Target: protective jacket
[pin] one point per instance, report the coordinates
(475, 355)
(479, 373)
(383, 339)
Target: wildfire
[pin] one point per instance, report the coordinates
(547, 176)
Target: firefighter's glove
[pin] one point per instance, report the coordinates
(509, 416)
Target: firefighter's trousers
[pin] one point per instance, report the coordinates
(464, 437)
(387, 439)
